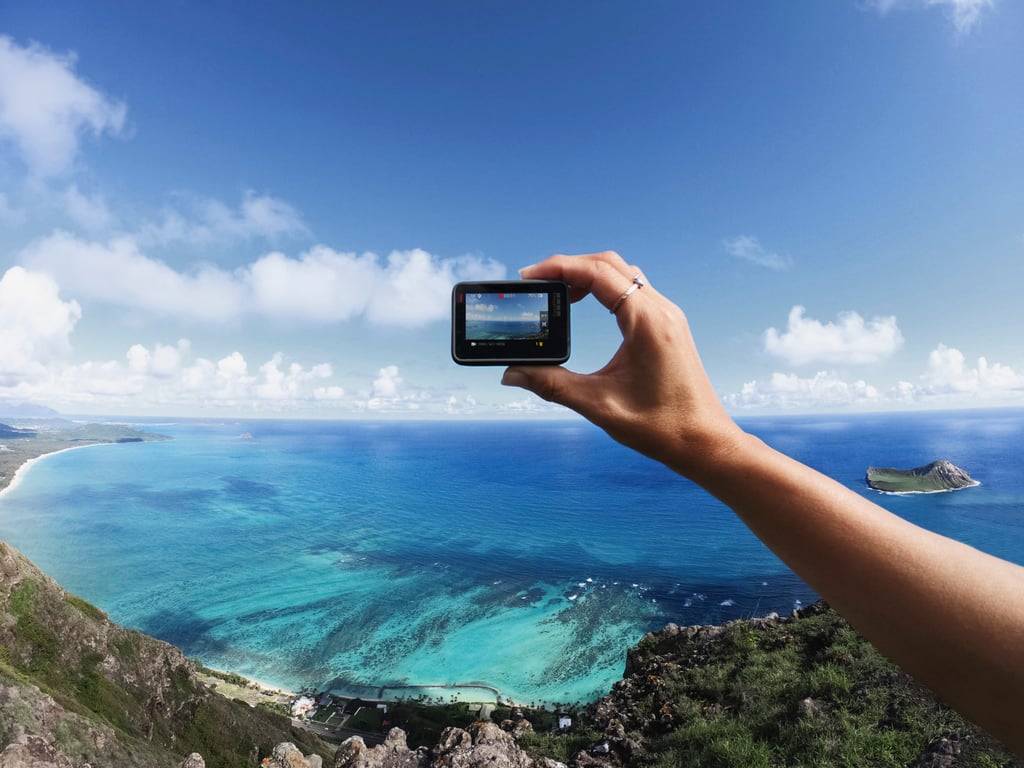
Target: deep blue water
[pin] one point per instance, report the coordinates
(502, 329)
(524, 555)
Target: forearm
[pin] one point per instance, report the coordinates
(950, 615)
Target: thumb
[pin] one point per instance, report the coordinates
(550, 382)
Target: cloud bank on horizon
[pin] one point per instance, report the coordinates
(193, 271)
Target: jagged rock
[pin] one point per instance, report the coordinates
(195, 760)
(453, 738)
(491, 747)
(938, 476)
(31, 751)
(517, 727)
(286, 755)
(31, 719)
(944, 752)
(482, 745)
(393, 753)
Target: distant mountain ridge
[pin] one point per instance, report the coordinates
(13, 410)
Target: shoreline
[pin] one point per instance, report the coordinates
(253, 692)
(260, 688)
(21, 451)
(22, 470)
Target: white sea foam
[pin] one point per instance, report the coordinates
(973, 484)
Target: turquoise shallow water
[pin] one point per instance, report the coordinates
(524, 556)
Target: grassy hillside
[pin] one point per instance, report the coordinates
(805, 691)
(75, 684)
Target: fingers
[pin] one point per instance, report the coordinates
(552, 383)
(606, 275)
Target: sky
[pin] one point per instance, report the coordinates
(259, 209)
(506, 307)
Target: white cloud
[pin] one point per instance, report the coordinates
(948, 381)
(851, 340)
(162, 362)
(325, 286)
(414, 286)
(963, 14)
(750, 249)
(118, 273)
(36, 323)
(291, 382)
(45, 108)
(322, 286)
(332, 392)
(386, 383)
(167, 379)
(88, 212)
(166, 375)
(210, 222)
(788, 391)
(948, 373)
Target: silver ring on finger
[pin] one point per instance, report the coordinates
(638, 283)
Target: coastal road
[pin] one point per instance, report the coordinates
(338, 735)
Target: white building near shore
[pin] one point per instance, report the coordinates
(302, 706)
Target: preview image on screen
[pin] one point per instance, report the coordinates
(506, 316)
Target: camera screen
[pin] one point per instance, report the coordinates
(506, 316)
(510, 322)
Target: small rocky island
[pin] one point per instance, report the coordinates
(936, 477)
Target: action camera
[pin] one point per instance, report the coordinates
(510, 322)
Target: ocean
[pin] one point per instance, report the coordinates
(482, 330)
(519, 556)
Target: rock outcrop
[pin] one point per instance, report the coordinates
(482, 745)
(931, 478)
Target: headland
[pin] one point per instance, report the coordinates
(22, 445)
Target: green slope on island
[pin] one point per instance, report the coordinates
(931, 478)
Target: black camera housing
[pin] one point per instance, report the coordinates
(510, 322)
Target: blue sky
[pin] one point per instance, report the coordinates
(507, 307)
(259, 209)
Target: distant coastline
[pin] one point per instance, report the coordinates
(9, 482)
(19, 453)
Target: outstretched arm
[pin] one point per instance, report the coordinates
(950, 615)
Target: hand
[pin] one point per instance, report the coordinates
(653, 395)
(891, 579)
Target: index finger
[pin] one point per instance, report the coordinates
(606, 275)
